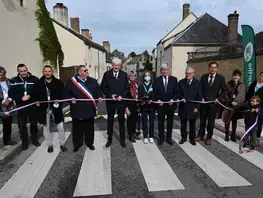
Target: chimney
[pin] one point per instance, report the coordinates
(186, 10)
(74, 23)
(60, 13)
(90, 36)
(85, 32)
(233, 26)
(106, 45)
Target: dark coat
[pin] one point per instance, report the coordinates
(83, 110)
(142, 95)
(110, 86)
(216, 91)
(250, 117)
(56, 88)
(251, 92)
(192, 92)
(16, 91)
(172, 90)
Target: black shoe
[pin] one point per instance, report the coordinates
(50, 149)
(138, 133)
(226, 136)
(193, 142)
(24, 145)
(91, 147)
(36, 143)
(160, 142)
(63, 148)
(123, 144)
(233, 137)
(136, 137)
(10, 142)
(182, 141)
(169, 141)
(75, 149)
(108, 144)
(132, 139)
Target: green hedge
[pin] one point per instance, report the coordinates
(48, 40)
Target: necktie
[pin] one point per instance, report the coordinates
(188, 82)
(211, 81)
(115, 76)
(165, 83)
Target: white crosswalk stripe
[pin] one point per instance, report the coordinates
(95, 175)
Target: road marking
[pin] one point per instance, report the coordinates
(95, 174)
(218, 171)
(157, 173)
(28, 178)
(254, 157)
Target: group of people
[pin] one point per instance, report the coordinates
(124, 96)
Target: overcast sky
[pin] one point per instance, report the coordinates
(136, 25)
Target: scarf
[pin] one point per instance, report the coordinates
(134, 90)
(258, 86)
(233, 88)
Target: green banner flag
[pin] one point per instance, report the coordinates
(249, 55)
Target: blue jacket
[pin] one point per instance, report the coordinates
(250, 117)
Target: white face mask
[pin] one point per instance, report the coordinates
(147, 78)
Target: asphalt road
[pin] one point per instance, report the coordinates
(138, 170)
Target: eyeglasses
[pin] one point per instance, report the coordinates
(188, 73)
(85, 70)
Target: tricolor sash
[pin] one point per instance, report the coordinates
(84, 89)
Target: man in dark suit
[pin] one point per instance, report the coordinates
(115, 85)
(81, 86)
(190, 89)
(165, 89)
(213, 89)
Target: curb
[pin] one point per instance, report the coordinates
(12, 149)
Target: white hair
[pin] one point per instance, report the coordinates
(116, 61)
(164, 66)
(132, 73)
(189, 68)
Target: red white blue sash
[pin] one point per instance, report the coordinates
(84, 89)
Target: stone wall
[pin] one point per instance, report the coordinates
(226, 64)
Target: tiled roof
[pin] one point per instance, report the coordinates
(83, 38)
(205, 30)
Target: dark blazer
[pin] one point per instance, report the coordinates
(216, 91)
(250, 117)
(142, 95)
(16, 91)
(192, 92)
(11, 105)
(172, 90)
(110, 86)
(82, 110)
(56, 88)
(251, 92)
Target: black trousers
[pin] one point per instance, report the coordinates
(162, 112)
(110, 122)
(81, 127)
(7, 128)
(184, 128)
(148, 130)
(207, 113)
(259, 130)
(22, 117)
(132, 121)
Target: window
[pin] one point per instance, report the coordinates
(23, 3)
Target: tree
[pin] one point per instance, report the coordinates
(47, 38)
(132, 54)
(119, 54)
(148, 65)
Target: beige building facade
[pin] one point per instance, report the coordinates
(19, 29)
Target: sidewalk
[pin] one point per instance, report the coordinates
(220, 125)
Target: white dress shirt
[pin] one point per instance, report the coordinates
(214, 75)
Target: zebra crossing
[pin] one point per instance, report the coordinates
(140, 170)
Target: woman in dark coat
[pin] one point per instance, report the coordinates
(132, 107)
(145, 93)
(235, 98)
(256, 88)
